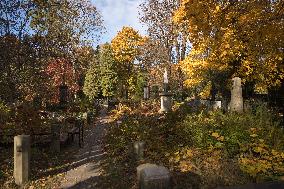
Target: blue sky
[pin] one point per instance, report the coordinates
(119, 13)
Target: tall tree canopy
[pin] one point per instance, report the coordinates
(234, 38)
(35, 33)
(65, 24)
(169, 38)
(101, 77)
(125, 47)
(157, 15)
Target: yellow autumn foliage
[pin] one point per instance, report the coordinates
(125, 45)
(242, 38)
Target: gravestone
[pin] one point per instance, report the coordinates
(166, 102)
(139, 147)
(146, 92)
(237, 103)
(151, 176)
(55, 136)
(22, 152)
(217, 104)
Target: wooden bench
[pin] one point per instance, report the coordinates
(77, 128)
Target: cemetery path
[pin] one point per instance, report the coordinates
(87, 169)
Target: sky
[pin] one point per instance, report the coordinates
(119, 13)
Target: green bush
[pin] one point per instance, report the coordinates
(231, 131)
(4, 112)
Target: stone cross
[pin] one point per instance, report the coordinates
(22, 152)
(237, 103)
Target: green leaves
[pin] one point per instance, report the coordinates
(101, 76)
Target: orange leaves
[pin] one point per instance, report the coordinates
(61, 72)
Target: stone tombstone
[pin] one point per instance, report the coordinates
(151, 176)
(55, 136)
(237, 103)
(146, 92)
(22, 153)
(217, 104)
(139, 147)
(166, 102)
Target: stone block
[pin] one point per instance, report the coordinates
(151, 176)
(22, 152)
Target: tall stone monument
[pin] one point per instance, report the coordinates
(22, 152)
(166, 96)
(237, 102)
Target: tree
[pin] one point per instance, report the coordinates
(92, 85)
(108, 71)
(14, 17)
(101, 77)
(157, 15)
(61, 73)
(233, 38)
(170, 38)
(92, 79)
(65, 24)
(125, 47)
(19, 72)
(35, 35)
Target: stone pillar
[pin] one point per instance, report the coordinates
(237, 103)
(55, 137)
(139, 148)
(166, 102)
(22, 153)
(151, 176)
